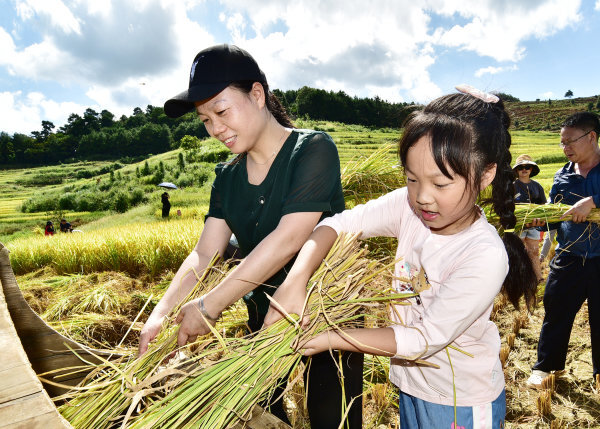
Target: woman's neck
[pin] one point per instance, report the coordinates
(269, 143)
(524, 179)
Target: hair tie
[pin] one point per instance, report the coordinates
(477, 93)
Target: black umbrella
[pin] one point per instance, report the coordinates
(168, 185)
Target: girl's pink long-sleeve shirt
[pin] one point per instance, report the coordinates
(465, 271)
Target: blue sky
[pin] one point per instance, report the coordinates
(59, 57)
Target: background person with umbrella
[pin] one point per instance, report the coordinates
(166, 204)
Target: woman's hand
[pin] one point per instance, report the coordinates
(580, 210)
(191, 322)
(290, 298)
(149, 332)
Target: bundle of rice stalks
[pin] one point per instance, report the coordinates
(366, 178)
(549, 213)
(221, 379)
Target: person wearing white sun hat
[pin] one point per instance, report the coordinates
(529, 191)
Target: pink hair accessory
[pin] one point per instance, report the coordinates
(477, 93)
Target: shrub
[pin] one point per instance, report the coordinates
(93, 201)
(121, 202)
(137, 197)
(44, 179)
(44, 203)
(67, 202)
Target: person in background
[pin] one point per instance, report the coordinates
(271, 195)
(49, 229)
(575, 269)
(166, 204)
(529, 191)
(65, 226)
(451, 151)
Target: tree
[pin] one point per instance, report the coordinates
(47, 128)
(92, 119)
(190, 143)
(75, 126)
(569, 94)
(193, 128)
(7, 153)
(507, 97)
(107, 119)
(180, 161)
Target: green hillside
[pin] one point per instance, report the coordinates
(101, 193)
(547, 115)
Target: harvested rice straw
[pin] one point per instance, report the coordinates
(223, 378)
(367, 177)
(525, 213)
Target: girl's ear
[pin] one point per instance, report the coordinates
(257, 93)
(488, 176)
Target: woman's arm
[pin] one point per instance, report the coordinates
(374, 341)
(214, 238)
(271, 254)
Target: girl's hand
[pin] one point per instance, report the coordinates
(291, 298)
(192, 324)
(318, 344)
(581, 209)
(149, 332)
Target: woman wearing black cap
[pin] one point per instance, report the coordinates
(282, 182)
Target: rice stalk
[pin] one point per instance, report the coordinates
(220, 379)
(367, 177)
(504, 352)
(526, 213)
(544, 403)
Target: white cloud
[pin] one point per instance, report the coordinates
(347, 46)
(494, 70)
(597, 5)
(548, 94)
(59, 15)
(24, 113)
(382, 47)
(498, 29)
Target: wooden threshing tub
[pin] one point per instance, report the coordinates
(28, 346)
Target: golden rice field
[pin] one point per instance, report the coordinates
(134, 249)
(92, 284)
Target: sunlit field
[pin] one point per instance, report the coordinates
(121, 263)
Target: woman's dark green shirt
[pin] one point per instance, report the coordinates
(304, 177)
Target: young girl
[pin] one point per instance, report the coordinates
(451, 151)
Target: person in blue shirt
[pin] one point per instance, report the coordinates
(575, 269)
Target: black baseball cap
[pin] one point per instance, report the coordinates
(213, 70)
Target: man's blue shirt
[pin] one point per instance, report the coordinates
(582, 239)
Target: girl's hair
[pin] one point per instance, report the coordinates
(272, 102)
(467, 136)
